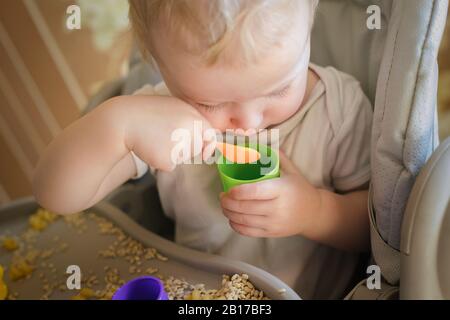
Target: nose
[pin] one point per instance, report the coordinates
(246, 117)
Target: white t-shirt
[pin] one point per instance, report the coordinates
(329, 141)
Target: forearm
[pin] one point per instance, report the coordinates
(75, 165)
(92, 156)
(342, 221)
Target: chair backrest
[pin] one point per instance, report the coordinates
(341, 38)
(397, 67)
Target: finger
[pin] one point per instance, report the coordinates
(247, 231)
(248, 220)
(252, 207)
(262, 190)
(286, 164)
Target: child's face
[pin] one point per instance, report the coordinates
(253, 97)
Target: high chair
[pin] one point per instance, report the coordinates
(410, 186)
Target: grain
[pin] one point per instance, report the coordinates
(10, 243)
(26, 259)
(234, 288)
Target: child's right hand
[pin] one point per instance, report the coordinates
(92, 156)
(154, 127)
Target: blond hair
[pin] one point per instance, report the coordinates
(213, 26)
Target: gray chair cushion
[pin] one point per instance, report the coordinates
(397, 69)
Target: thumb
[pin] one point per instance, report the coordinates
(286, 164)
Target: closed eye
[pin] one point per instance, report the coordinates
(280, 93)
(209, 107)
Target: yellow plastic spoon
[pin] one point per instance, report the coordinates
(238, 154)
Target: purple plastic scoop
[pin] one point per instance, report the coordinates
(142, 288)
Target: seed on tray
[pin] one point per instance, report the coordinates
(3, 287)
(84, 294)
(10, 244)
(151, 270)
(20, 269)
(47, 253)
(236, 289)
(41, 219)
(161, 257)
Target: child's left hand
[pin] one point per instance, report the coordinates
(279, 207)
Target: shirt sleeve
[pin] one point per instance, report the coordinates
(351, 166)
(141, 166)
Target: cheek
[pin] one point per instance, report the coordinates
(289, 105)
(284, 108)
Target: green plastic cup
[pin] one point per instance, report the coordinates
(234, 174)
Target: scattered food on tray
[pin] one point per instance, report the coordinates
(10, 244)
(84, 294)
(40, 220)
(21, 268)
(27, 259)
(238, 287)
(3, 287)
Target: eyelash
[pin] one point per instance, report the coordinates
(281, 93)
(209, 107)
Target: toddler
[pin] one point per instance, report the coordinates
(233, 64)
